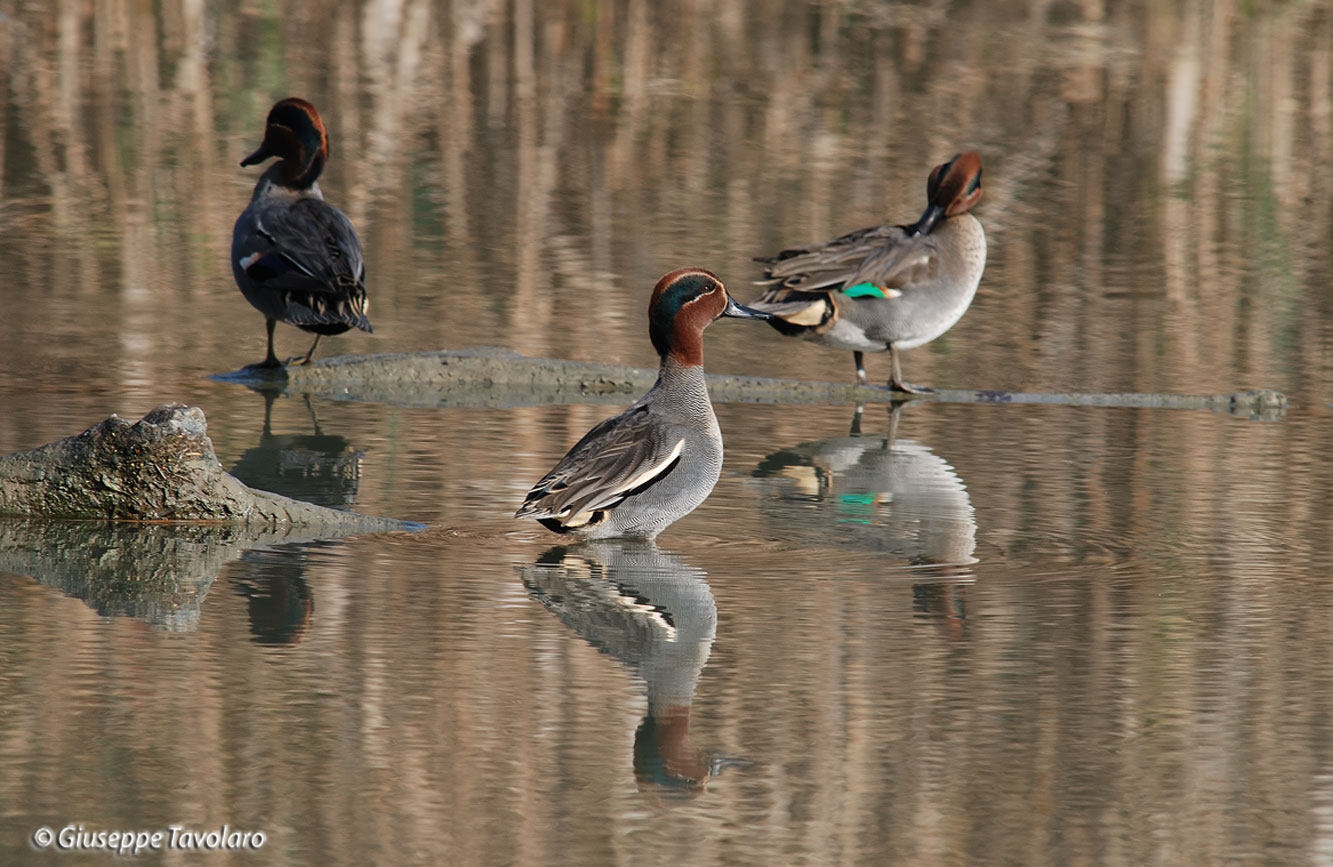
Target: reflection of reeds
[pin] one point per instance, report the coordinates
(1113, 154)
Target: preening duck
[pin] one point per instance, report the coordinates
(886, 287)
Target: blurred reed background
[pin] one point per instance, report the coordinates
(522, 172)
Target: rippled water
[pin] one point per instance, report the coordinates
(1002, 635)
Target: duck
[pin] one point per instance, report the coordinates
(296, 258)
(636, 473)
(886, 287)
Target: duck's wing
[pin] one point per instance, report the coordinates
(898, 267)
(307, 254)
(886, 257)
(619, 457)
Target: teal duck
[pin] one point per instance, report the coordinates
(886, 287)
(295, 257)
(637, 472)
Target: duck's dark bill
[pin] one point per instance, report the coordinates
(257, 157)
(928, 220)
(740, 311)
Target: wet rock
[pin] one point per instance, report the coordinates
(160, 468)
(1260, 404)
(497, 377)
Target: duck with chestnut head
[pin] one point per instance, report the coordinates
(295, 257)
(638, 472)
(886, 287)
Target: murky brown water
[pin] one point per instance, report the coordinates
(1023, 635)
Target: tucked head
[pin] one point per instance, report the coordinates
(295, 132)
(683, 303)
(952, 189)
(956, 185)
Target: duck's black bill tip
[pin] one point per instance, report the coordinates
(740, 311)
(257, 157)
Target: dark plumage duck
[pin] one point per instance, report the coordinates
(886, 287)
(296, 257)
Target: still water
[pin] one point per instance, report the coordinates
(1012, 635)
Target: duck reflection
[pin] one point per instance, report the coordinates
(875, 493)
(278, 598)
(317, 467)
(882, 494)
(655, 613)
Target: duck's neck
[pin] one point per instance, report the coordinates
(301, 171)
(274, 181)
(679, 377)
(299, 177)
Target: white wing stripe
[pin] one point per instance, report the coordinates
(651, 473)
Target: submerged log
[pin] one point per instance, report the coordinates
(496, 377)
(160, 468)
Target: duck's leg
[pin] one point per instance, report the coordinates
(311, 354)
(270, 360)
(860, 358)
(896, 376)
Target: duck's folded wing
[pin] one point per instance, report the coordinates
(828, 266)
(309, 255)
(618, 458)
(898, 267)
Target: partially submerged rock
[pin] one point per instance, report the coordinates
(160, 468)
(496, 377)
(491, 376)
